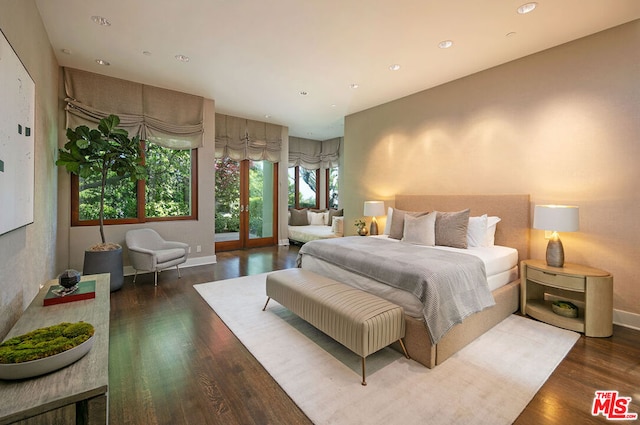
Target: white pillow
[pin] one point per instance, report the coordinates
(316, 218)
(325, 218)
(477, 231)
(420, 230)
(337, 226)
(491, 230)
(387, 225)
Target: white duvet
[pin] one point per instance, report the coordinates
(501, 264)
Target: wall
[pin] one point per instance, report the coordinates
(27, 255)
(562, 125)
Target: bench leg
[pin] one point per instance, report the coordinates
(403, 348)
(265, 304)
(364, 368)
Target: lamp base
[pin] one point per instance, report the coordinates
(555, 253)
(373, 230)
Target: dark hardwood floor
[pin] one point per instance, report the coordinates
(173, 361)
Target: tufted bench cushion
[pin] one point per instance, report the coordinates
(362, 322)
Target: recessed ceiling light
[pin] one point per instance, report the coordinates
(66, 51)
(146, 53)
(267, 116)
(354, 86)
(526, 8)
(445, 44)
(182, 58)
(101, 21)
(510, 34)
(333, 105)
(102, 62)
(303, 93)
(394, 67)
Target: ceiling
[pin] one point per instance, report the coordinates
(255, 58)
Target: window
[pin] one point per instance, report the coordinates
(169, 193)
(303, 188)
(332, 187)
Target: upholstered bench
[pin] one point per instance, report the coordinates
(362, 322)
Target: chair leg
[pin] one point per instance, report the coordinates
(156, 278)
(178, 268)
(134, 276)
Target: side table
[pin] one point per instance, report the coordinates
(590, 289)
(76, 394)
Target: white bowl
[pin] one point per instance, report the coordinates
(45, 365)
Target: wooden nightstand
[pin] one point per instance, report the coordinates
(591, 290)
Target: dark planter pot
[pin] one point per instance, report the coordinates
(96, 262)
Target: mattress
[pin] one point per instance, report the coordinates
(311, 232)
(501, 264)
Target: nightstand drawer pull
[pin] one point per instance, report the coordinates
(573, 283)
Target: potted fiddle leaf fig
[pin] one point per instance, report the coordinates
(97, 152)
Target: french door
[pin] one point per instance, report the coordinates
(246, 199)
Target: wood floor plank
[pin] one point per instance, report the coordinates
(173, 361)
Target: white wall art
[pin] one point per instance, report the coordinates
(17, 120)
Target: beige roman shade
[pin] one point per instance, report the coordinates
(313, 154)
(168, 118)
(241, 138)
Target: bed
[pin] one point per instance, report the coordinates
(511, 239)
(307, 225)
(310, 232)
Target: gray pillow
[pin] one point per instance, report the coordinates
(451, 228)
(420, 230)
(396, 231)
(299, 218)
(334, 213)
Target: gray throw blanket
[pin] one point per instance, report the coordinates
(451, 285)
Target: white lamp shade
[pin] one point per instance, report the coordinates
(373, 208)
(557, 218)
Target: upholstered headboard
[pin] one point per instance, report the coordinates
(514, 210)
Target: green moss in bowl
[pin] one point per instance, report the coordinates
(45, 342)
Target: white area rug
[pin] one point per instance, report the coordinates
(488, 382)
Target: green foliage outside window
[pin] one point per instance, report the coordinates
(120, 200)
(168, 186)
(227, 213)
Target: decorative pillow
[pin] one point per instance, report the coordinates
(325, 218)
(477, 231)
(299, 218)
(451, 229)
(492, 223)
(316, 218)
(420, 230)
(334, 213)
(397, 222)
(337, 226)
(387, 225)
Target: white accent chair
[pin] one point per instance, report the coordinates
(149, 252)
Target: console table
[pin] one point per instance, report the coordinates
(78, 393)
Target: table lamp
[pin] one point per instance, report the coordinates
(555, 218)
(373, 209)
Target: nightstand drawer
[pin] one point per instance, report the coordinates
(574, 283)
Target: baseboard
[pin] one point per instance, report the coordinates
(191, 262)
(626, 319)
